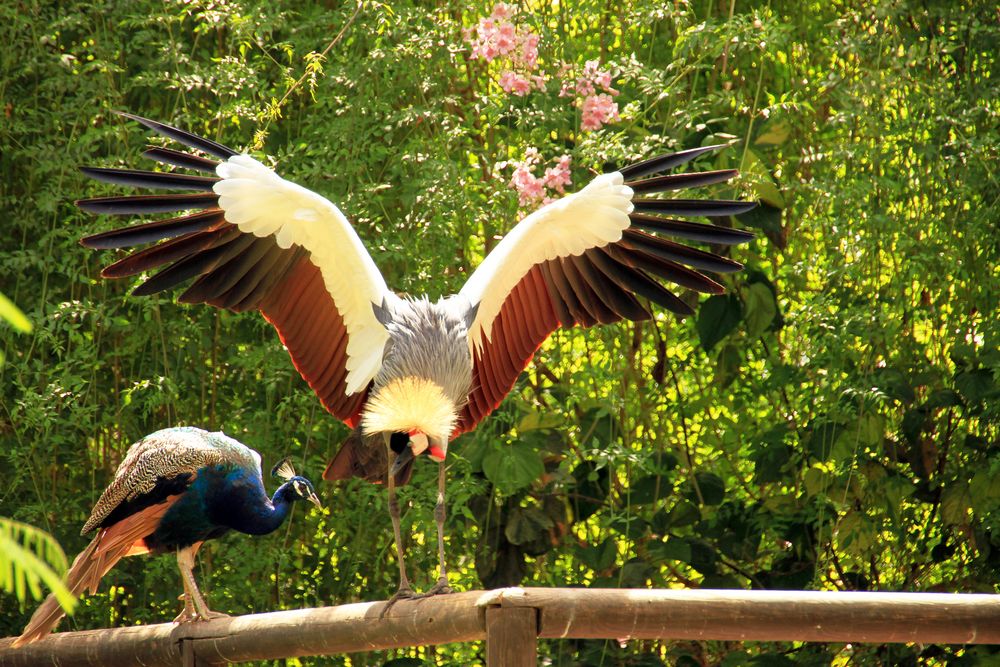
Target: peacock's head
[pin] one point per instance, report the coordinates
(296, 486)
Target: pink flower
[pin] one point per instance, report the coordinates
(532, 190)
(514, 83)
(598, 110)
(589, 82)
(558, 177)
(529, 187)
(502, 11)
(529, 50)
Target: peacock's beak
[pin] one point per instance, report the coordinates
(314, 499)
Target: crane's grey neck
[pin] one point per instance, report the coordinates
(428, 340)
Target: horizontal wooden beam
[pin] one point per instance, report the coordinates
(561, 613)
(812, 616)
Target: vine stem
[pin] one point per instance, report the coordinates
(333, 43)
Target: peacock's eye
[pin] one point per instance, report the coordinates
(299, 487)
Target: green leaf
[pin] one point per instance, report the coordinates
(766, 218)
(683, 513)
(711, 487)
(823, 438)
(761, 180)
(976, 385)
(591, 489)
(539, 420)
(525, 525)
(955, 504)
(650, 489)
(760, 309)
(856, 533)
(599, 557)
(13, 315)
(671, 549)
(513, 467)
(774, 133)
(719, 315)
(28, 557)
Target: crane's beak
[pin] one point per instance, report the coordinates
(402, 459)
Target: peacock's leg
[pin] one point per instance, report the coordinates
(192, 596)
(188, 613)
(439, 514)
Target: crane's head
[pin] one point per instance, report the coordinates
(296, 487)
(415, 417)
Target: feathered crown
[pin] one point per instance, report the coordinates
(410, 404)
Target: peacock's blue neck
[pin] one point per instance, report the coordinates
(245, 506)
(222, 497)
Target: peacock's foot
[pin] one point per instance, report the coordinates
(186, 616)
(190, 614)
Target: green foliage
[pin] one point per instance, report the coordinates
(829, 423)
(29, 558)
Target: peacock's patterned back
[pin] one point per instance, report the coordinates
(165, 454)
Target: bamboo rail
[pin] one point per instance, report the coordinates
(512, 619)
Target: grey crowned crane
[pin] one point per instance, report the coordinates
(175, 489)
(410, 375)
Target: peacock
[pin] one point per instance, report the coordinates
(175, 489)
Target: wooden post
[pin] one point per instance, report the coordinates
(511, 637)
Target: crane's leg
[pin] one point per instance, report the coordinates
(195, 607)
(405, 591)
(439, 514)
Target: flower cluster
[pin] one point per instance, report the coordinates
(534, 190)
(496, 36)
(595, 96)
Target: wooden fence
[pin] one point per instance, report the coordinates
(512, 619)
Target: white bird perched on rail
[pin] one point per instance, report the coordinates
(409, 375)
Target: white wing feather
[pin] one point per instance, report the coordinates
(262, 203)
(591, 218)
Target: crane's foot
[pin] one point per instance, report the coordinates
(404, 593)
(440, 588)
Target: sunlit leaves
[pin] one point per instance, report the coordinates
(30, 559)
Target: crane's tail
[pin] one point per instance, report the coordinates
(364, 458)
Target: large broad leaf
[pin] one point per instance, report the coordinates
(12, 314)
(29, 557)
(976, 385)
(512, 467)
(760, 178)
(760, 309)
(718, 316)
(711, 489)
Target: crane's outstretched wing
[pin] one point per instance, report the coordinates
(584, 259)
(260, 242)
